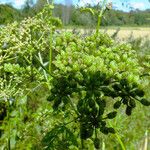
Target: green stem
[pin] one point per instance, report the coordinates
(32, 69)
(50, 53)
(51, 41)
(41, 61)
(119, 139)
(82, 144)
(73, 106)
(8, 118)
(43, 66)
(100, 17)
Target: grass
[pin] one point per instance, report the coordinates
(124, 32)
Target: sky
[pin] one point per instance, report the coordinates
(117, 4)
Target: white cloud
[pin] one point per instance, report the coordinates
(15, 3)
(18, 3)
(138, 5)
(85, 2)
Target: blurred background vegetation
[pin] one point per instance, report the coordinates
(71, 15)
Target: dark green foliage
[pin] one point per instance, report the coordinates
(96, 85)
(89, 74)
(8, 14)
(52, 139)
(113, 17)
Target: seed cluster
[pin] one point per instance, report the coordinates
(88, 71)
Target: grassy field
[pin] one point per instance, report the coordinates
(123, 32)
(127, 32)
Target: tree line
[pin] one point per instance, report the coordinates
(72, 16)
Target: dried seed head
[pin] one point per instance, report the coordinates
(109, 6)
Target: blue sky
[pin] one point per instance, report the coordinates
(119, 4)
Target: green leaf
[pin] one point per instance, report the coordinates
(88, 10)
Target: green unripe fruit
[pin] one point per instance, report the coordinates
(58, 41)
(134, 85)
(112, 115)
(101, 102)
(86, 132)
(124, 82)
(80, 102)
(51, 98)
(103, 123)
(117, 104)
(86, 110)
(111, 130)
(132, 103)
(68, 91)
(117, 87)
(73, 84)
(57, 102)
(103, 76)
(55, 82)
(95, 122)
(106, 91)
(65, 99)
(145, 102)
(104, 130)
(97, 93)
(101, 111)
(54, 91)
(97, 143)
(128, 110)
(128, 88)
(3, 110)
(94, 111)
(133, 94)
(139, 92)
(125, 57)
(91, 103)
(125, 101)
(106, 82)
(113, 94)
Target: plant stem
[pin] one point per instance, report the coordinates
(100, 17)
(8, 118)
(119, 139)
(50, 53)
(41, 61)
(51, 42)
(43, 66)
(73, 106)
(82, 144)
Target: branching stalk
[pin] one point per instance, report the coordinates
(51, 42)
(100, 16)
(41, 61)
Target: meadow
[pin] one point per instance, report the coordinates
(122, 32)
